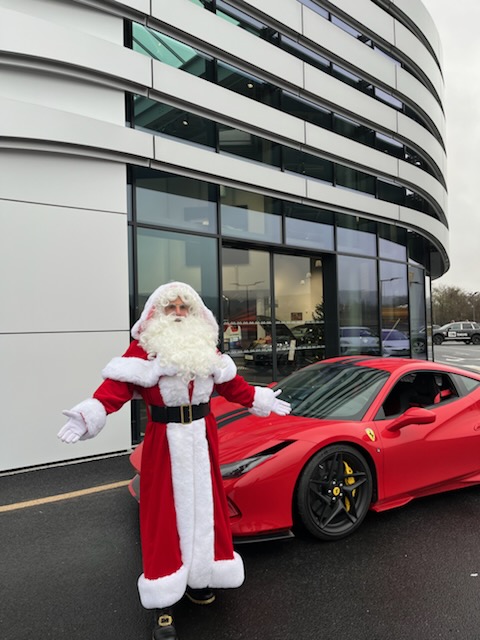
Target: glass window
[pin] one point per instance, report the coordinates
(164, 119)
(390, 192)
(245, 84)
(353, 130)
(299, 315)
(246, 303)
(165, 256)
(244, 144)
(170, 51)
(306, 111)
(389, 145)
(392, 242)
(303, 233)
(394, 309)
(418, 319)
(352, 179)
(245, 214)
(307, 164)
(354, 241)
(313, 5)
(358, 306)
(241, 19)
(307, 55)
(175, 201)
(388, 99)
(345, 27)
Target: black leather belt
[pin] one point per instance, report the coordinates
(185, 414)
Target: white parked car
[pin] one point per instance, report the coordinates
(358, 340)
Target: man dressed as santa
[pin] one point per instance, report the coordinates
(174, 365)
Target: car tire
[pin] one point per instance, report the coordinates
(437, 339)
(334, 492)
(418, 346)
(475, 339)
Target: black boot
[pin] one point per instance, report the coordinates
(200, 596)
(164, 629)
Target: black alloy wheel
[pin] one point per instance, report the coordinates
(418, 345)
(334, 492)
(437, 339)
(475, 338)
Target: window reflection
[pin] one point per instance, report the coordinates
(174, 201)
(357, 306)
(250, 215)
(394, 309)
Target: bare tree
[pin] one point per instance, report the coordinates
(452, 304)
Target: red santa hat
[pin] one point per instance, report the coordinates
(167, 293)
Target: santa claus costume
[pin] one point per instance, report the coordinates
(174, 366)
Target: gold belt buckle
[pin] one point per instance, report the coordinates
(165, 620)
(186, 414)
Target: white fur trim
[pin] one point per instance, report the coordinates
(226, 371)
(262, 402)
(93, 414)
(227, 573)
(162, 592)
(144, 373)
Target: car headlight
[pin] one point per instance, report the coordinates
(241, 467)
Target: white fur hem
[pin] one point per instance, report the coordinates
(227, 573)
(262, 402)
(226, 371)
(135, 370)
(162, 592)
(93, 414)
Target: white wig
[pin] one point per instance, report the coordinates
(165, 294)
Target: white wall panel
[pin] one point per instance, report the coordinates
(217, 166)
(228, 38)
(220, 102)
(74, 95)
(417, 12)
(419, 94)
(28, 36)
(42, 374)
(411, 46)
(62, 180)
(71, 14)
(350, 151)
(287, 12)
(342, 44)
(62, 269)
(20, 122)
(411, 130)
(339, 94)
(351, 200)
(367, 13)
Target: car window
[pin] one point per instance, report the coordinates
(393, 334)
(456, 326)
(335, 391)
(419, 389)
(467, 325)
(465, 384)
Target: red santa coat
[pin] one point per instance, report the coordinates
(184, 524)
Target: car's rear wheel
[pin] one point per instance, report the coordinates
(334, 492)
(437, 339)
(475, 339)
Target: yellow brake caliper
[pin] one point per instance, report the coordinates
(349, 479)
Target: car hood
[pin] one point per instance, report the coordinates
(242, 434)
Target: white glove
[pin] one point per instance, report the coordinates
(280, 407)
(74, 429)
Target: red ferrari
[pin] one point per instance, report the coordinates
(364, 433)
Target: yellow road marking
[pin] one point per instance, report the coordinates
(63, 496)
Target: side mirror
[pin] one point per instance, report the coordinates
(414, 415)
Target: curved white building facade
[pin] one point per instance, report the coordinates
(286, 158)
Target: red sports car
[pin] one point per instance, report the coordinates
(364, 433)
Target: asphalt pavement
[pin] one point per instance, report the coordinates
(69, 570)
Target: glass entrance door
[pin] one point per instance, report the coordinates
(268, 341)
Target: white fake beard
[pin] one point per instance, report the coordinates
(188, 344)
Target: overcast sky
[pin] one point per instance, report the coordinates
(457, 23)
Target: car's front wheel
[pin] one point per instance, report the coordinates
(334, 492)
(437, 339)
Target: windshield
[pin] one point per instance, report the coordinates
(335, 391)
